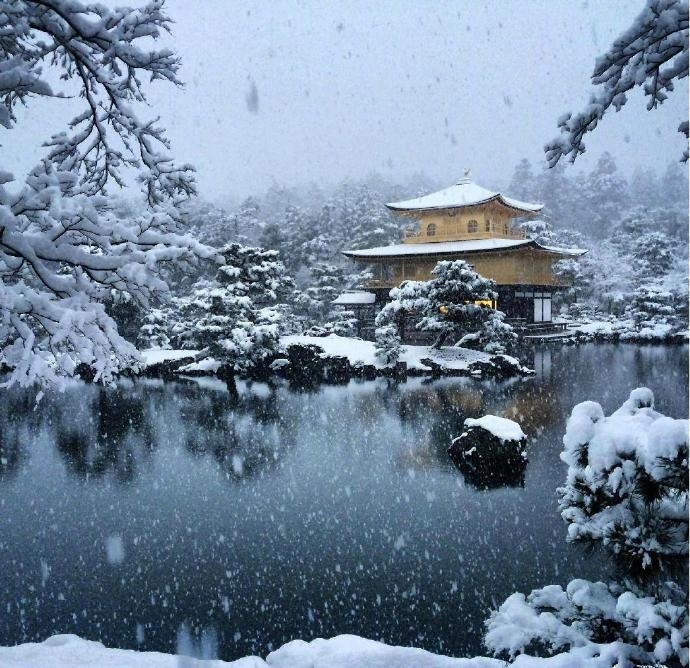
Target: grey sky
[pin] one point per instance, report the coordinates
(318, 91)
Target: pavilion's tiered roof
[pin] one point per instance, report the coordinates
(465, 193)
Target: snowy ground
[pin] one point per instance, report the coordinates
(70, 651)
(157, 355)
(612, 328)
(344, 651)
(358, 353)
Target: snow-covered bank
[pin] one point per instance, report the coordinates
(353, 357)
(626, 330)
(344, 651)
(363, 353)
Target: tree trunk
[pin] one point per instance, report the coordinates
(440, 340)
(231, 385)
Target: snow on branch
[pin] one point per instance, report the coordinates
(652, 53)
(626, 488)
(102, 49)
(64, 252)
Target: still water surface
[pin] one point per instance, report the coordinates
(151, 512)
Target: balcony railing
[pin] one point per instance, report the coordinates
(415, 235)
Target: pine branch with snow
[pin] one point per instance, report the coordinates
(627, 481)
(63, 252)
(652, 54)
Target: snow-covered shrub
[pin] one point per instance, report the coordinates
(387, 345)
(627, 480)
(342, 322)
(652, 311)
(606, 625)
(626, 489)
(495, 335)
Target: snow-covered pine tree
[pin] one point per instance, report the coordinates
(452, 294)
(372, 224)
(627, 490)
(447, 305)
(409, 299)
(234, 316)
(523, 185)
(156, 330)
(653, 308)
(63, 251)
(388, 346)
(653, 254)
(605, 197)
(645, 189)
(562, 197)
(315, 302)
(674, 186)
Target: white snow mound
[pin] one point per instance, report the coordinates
(502, 428)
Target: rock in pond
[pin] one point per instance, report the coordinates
(491, 452)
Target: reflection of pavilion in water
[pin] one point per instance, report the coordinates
(440, 409)
(542, 362)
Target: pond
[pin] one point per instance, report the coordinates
(163, 516)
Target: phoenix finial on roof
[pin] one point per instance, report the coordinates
(468, 173)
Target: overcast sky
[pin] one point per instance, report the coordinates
(319, 91)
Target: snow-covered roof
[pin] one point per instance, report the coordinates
(355, 297)
(456, 247)
(464, 193)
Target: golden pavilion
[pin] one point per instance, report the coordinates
(468, 222)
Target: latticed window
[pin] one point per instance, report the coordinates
(431, 230)
(472, 225)
(487, 225)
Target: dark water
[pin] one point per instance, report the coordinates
(158, 511)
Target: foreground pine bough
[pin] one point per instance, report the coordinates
(626, 490)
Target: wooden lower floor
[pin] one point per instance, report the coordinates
(529, 308)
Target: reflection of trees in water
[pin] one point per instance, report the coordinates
(114, 431)
(18, 426)
(245, 434)
(109, 430)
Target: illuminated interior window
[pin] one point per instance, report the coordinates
(486, 302)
